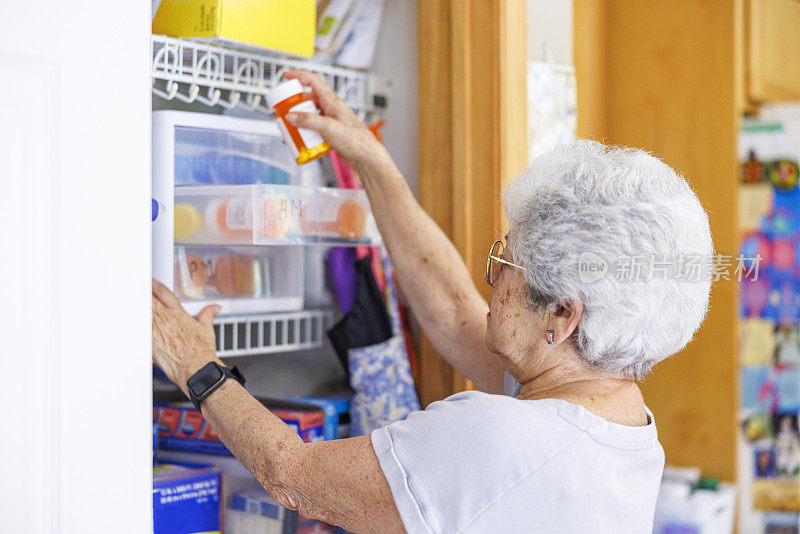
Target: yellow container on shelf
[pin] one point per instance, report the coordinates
(281, 25)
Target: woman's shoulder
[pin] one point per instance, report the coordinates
(538, 422)
(502, 434)
(479, 400)
(498, 406)
(505, 421)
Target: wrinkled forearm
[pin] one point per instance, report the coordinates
(259, 439)
(339, 481)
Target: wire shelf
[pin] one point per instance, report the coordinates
(220, 76)
(270, 333)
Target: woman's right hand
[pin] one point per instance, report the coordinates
(340, 127)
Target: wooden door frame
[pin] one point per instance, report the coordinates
(472, 135)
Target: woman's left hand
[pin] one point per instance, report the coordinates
(181, 343)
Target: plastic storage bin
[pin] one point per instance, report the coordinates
(199, 149)
(240, 279)
(273, 215)
(207, 156)
(681, 509)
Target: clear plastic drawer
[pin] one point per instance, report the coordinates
(209, 156)
(240, 279)
(273, 214)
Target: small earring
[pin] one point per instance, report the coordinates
(551, 337)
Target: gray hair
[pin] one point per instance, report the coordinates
(585, 202)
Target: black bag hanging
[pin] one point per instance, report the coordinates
(367, 322)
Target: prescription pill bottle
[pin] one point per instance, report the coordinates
(306, 145)
(333, 217)
(188, 221)
(231, 216)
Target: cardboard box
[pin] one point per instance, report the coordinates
(337, 413)
(312, 526)
(185, 500)
(310, 426)
(287, 26)
(255, 511)
(182, 428)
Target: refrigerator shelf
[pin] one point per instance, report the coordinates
(222, 76)
(246, 335)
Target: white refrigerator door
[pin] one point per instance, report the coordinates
(75, 396)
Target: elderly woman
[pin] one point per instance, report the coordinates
(592, 289)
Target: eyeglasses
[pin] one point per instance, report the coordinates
(494, 263)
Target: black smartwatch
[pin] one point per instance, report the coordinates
(208, 379)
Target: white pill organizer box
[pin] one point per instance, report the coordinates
(232, 220)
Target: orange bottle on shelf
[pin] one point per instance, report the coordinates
(231, 216)
(306, 145)
(326, 217)
(351, 219)
(191, 275)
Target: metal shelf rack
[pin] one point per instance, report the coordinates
(222, 76)
(269, 333)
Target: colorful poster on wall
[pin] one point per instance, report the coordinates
(769, 328)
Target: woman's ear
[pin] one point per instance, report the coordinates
(566, 319)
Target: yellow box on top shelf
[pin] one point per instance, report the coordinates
(282, 25)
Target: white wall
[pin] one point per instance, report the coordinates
(76, 454)
(786, 111)
(550, 21)
(396, 61)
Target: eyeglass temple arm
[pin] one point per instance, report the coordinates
(501, 260)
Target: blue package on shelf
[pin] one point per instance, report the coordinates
(200, 446)
(258, 503)
(182, 428)
(255, 511)
(185, 501)
(333, 407)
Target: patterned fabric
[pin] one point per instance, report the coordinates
(391, 294)
(381, 375)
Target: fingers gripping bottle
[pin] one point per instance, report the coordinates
(306, 145)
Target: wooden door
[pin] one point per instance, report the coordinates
(472, 134)
(660, 75)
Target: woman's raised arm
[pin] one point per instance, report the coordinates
(429, 269)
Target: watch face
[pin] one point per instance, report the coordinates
(206, 377)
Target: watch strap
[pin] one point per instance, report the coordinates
(226, 372)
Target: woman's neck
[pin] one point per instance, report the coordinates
(568, 377)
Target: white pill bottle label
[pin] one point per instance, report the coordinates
(230, 215)
(310, 137)
(319, 216)
(239, 214)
